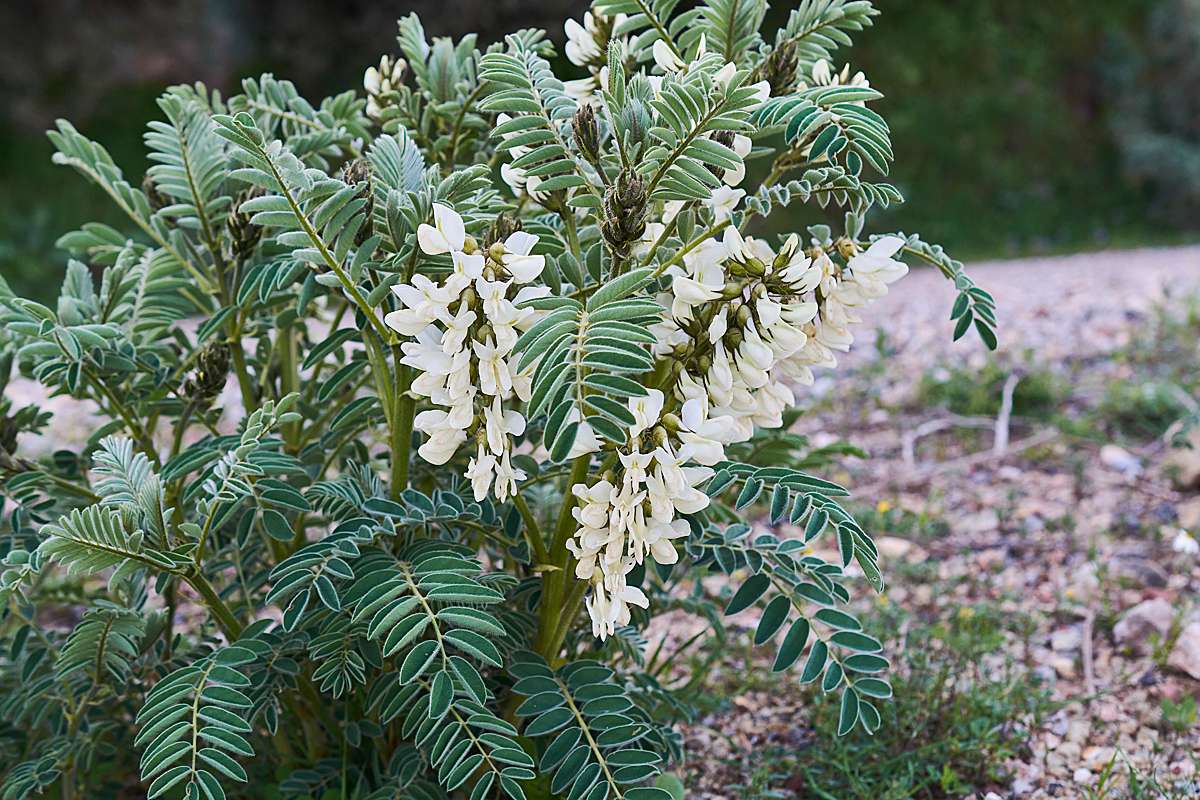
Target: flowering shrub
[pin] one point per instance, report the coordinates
(507, 373)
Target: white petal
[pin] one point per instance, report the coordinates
(450, 224)
(520, 242)
(665, 57)
(432, 241)
(886, 247)
(725, 74)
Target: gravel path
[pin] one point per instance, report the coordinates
(1077, 305)
(1070, 535)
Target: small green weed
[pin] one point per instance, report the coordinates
(1179, 716)
(951, 726)
(1141, 410)
(979, 392)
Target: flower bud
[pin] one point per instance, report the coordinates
(779, 69)
(724, 138)
(354, 173)
(208, 379)
(8, 434)
(846, 248)
(634, 122)
(658, 436)
(587, 133)
(157, 199)
(243, 236)
(624, 213)
(505, 225)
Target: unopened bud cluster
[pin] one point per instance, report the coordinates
(381, 82)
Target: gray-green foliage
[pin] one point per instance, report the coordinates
(245, 583)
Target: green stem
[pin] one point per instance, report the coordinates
(402, 428)
(690, 246)
(213, 243)
(335, 266)
(238, 355)
(289, 381)
(563, 528)
(225, 619)
(568, 218)
(551, 644)
(457, 129)
(67, 486)
(533, 531)
(554, 582)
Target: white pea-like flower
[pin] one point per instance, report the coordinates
(724, 201)
(645, 411)
(425, 302)
(494, 375)
(479, 472)
(500, 423)
(517, 258)
(704, 438)
(582, 48)
(665, 58)
(742, 146)
(447, 234)
(444, 436)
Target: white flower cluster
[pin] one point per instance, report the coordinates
(465, 328)
(823, 75)
(625, 519)
(587, 46)
(744, 324)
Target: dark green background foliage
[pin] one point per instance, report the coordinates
(1025, 126)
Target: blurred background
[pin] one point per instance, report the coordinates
(1021, 127)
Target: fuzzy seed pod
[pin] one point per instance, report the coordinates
(624, 213)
